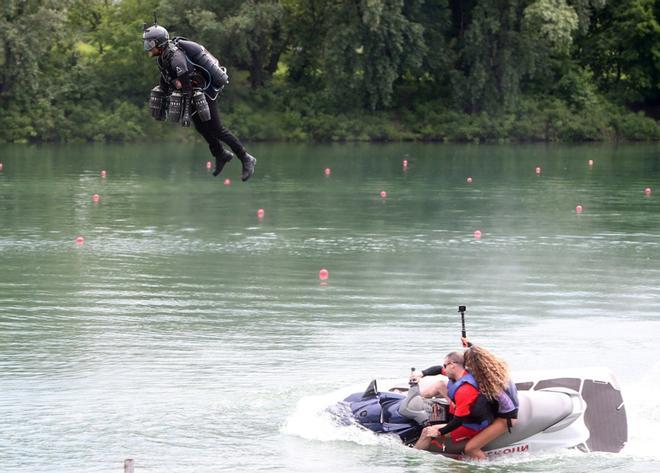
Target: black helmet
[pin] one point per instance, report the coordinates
(155, 36)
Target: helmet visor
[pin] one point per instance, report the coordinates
(149, 44)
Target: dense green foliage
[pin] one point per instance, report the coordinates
(446, 70)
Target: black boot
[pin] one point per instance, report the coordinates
(248, 162)
(221, 160)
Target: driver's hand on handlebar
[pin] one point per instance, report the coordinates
(415, 376)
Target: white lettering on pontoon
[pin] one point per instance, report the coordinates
(509, 450)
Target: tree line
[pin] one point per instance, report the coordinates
(434, 70)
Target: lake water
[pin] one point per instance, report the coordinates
(192, 336)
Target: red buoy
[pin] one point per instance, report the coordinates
(383, 194)
(578, 209)
(260, 213)
(469, 180)
(96, 197)
(648, 191)
(538, 170)
(209, 164)
(327, 171)
(324, 274)
(477, 234)
(104, 173)
(80, 240)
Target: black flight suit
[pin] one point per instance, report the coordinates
(173, 65)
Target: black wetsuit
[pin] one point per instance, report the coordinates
(174, 65)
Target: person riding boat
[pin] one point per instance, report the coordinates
(496, 386)
(471, 411)
(492, 379)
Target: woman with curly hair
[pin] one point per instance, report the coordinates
(492, 376)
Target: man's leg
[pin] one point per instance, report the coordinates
(490, 433)
(427, 436)
(433, 442)
(435, 388)
(223, 134)
(222, 156)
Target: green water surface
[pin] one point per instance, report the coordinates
(192, 335)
